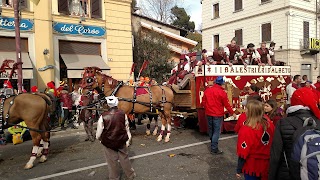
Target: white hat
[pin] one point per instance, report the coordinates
(112, 101)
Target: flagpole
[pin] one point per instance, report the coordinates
(16, 4)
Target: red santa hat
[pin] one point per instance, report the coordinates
(308, 98)
(7, 83)
(34, 89)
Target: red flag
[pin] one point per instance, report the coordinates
(132, 68)
(144, 66)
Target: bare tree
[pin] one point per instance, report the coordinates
(158, 9)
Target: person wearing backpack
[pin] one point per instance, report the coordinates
(303, 114)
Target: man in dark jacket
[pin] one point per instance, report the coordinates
(304, 104)
(215, 99)
(112, 130)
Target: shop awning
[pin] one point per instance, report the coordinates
(76, 62)
(27, 68)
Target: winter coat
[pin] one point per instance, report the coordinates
(215, 99)
(283, 144)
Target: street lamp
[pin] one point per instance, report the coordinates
(16, 4)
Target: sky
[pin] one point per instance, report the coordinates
(192, 7)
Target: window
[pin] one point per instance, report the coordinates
(80, 8)
(9, 3)
(8, 44)
(306, 69)
(238, 35)
(237, 5)
(265, 1)
(266, 32)
(215, 10)
(305, 34)
(215, 41)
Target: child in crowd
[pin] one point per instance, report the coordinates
(272, 111)
(254, 143)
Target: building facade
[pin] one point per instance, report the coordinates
(177, 43)
(68, 35)
(289, 23)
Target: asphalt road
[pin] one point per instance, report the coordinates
(70, 157)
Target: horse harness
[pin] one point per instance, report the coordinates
(134, 100)
(4, 121)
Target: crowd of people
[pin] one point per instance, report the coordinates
(271, 143)
(230, 55)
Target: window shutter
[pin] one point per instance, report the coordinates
(237, 5)
(73, 47)
(305, 34)
(238, 35)
(63, 6)
(8, 44)
(96, 8)
(266, 32)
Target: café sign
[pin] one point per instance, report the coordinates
(8, 24)
(240, 70)
(78, 29)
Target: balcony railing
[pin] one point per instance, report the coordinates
(304, 44)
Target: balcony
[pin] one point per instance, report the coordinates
(309, 46)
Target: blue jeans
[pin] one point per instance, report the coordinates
(248, 177)
(214, 124)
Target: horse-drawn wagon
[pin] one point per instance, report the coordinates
(272, 81)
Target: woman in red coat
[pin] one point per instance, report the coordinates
(254, 143)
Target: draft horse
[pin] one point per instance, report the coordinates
(33, 109)
(159, 97)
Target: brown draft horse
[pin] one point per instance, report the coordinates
(162, 97)
(33, 109)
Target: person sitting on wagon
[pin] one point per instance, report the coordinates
(264, 54)
(179, 71)
(193, 63)
(271, 52)
(249, 56)
(232, 50)
(220, 57)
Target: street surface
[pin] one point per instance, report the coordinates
(186, 156)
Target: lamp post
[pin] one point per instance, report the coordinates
(16, 4)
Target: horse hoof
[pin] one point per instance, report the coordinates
(28, 166)
(43, 159)
(167, 139)
(148, 132)
(155, 132)
(159, 138)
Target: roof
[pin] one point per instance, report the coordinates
(169, 34)
(159, 22)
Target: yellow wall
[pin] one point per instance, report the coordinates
(119, 37)
(116, 19)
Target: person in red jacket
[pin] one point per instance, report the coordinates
(317, 85)
(66, 100)
(214, 101)
(254, 143)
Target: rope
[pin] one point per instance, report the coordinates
(32, 129)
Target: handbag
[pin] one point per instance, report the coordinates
(16, 139)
